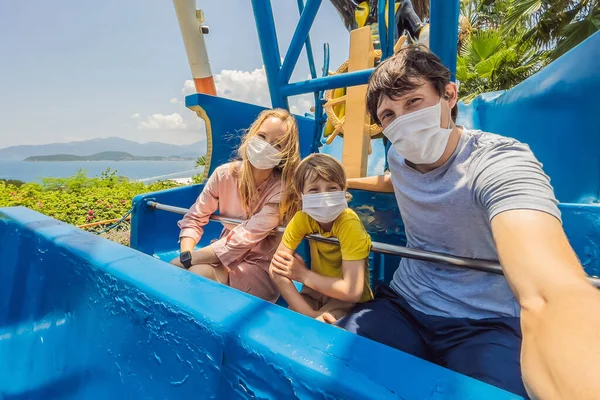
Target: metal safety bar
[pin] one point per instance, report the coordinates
(384, 248)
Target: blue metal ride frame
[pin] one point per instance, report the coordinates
(381, 27)
(443, 42)
(443, 39)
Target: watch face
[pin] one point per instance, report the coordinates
(186, 258)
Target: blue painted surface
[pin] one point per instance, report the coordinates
(269, 47)
(307, 43)
(556, 113)
(443, 38)
(83, 317)
(383, 32)
(298, 40)
(328, 82)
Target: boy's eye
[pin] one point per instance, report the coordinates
(262, 136)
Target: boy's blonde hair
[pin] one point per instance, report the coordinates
(290, 157)
(318, 165)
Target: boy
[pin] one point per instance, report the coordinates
(339, 274)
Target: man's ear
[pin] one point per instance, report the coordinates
(451, 94)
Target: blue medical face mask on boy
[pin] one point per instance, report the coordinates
(418, 136)
(324, 207)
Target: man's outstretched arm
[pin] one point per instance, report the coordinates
(560, 310)
(379, 183)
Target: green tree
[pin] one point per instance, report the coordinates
(200, 161)
(555, 26)
(490, 60)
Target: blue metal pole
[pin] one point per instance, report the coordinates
(329, 82)
(391, 35)
(381, 27)
(298, 40)
(309, 52)
(267, 36)
(443, 38)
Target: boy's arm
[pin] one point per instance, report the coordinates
(287, 288)
(347, 288)
(381, 183)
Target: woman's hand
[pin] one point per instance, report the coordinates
(290, 266)
(176, 262)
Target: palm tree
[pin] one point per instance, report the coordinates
(488, 59)
(554, 25)
(488, 62)
(200, 161)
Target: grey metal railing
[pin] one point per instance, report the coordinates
(384, 248)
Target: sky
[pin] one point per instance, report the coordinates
(74, 70)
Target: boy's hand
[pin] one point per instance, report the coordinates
(290, 266)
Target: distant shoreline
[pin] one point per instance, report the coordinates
(124, 160)
(103, 156)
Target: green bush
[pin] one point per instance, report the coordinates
(78, 199)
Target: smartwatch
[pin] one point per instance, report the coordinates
(185, 258)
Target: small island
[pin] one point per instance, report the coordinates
(103, 156)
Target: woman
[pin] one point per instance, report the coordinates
(257, 188)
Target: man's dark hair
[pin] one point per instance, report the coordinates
(400, 73)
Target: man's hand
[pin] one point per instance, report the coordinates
(289, 266)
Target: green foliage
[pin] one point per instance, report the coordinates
(554, 25)
(201, 161)
(13, 182)
(489, 59)
(78, 199)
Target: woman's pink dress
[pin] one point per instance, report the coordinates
(247, 249)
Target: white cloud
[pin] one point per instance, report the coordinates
(161, 121)
(250, 87)
(302, 104)
(135, 116)
(188, 88)
(174, 101)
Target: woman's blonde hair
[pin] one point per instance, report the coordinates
(319, 166)
(290, 157)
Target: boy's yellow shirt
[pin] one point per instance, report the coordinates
(326, 258)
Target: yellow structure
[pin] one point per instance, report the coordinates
(346, 108)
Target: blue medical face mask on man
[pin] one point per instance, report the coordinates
(418, 136)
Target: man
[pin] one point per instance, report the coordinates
(477, 195)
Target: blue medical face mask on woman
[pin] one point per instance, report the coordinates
(418, 136)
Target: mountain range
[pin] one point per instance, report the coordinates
(93, 146)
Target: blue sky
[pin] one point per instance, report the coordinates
(74, 70)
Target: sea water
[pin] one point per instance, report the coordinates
(151, 170)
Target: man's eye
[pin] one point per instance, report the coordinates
(412, 101)
(262, 136)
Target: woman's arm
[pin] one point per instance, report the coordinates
(381, 183)
(192, 224)
(241, 239)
